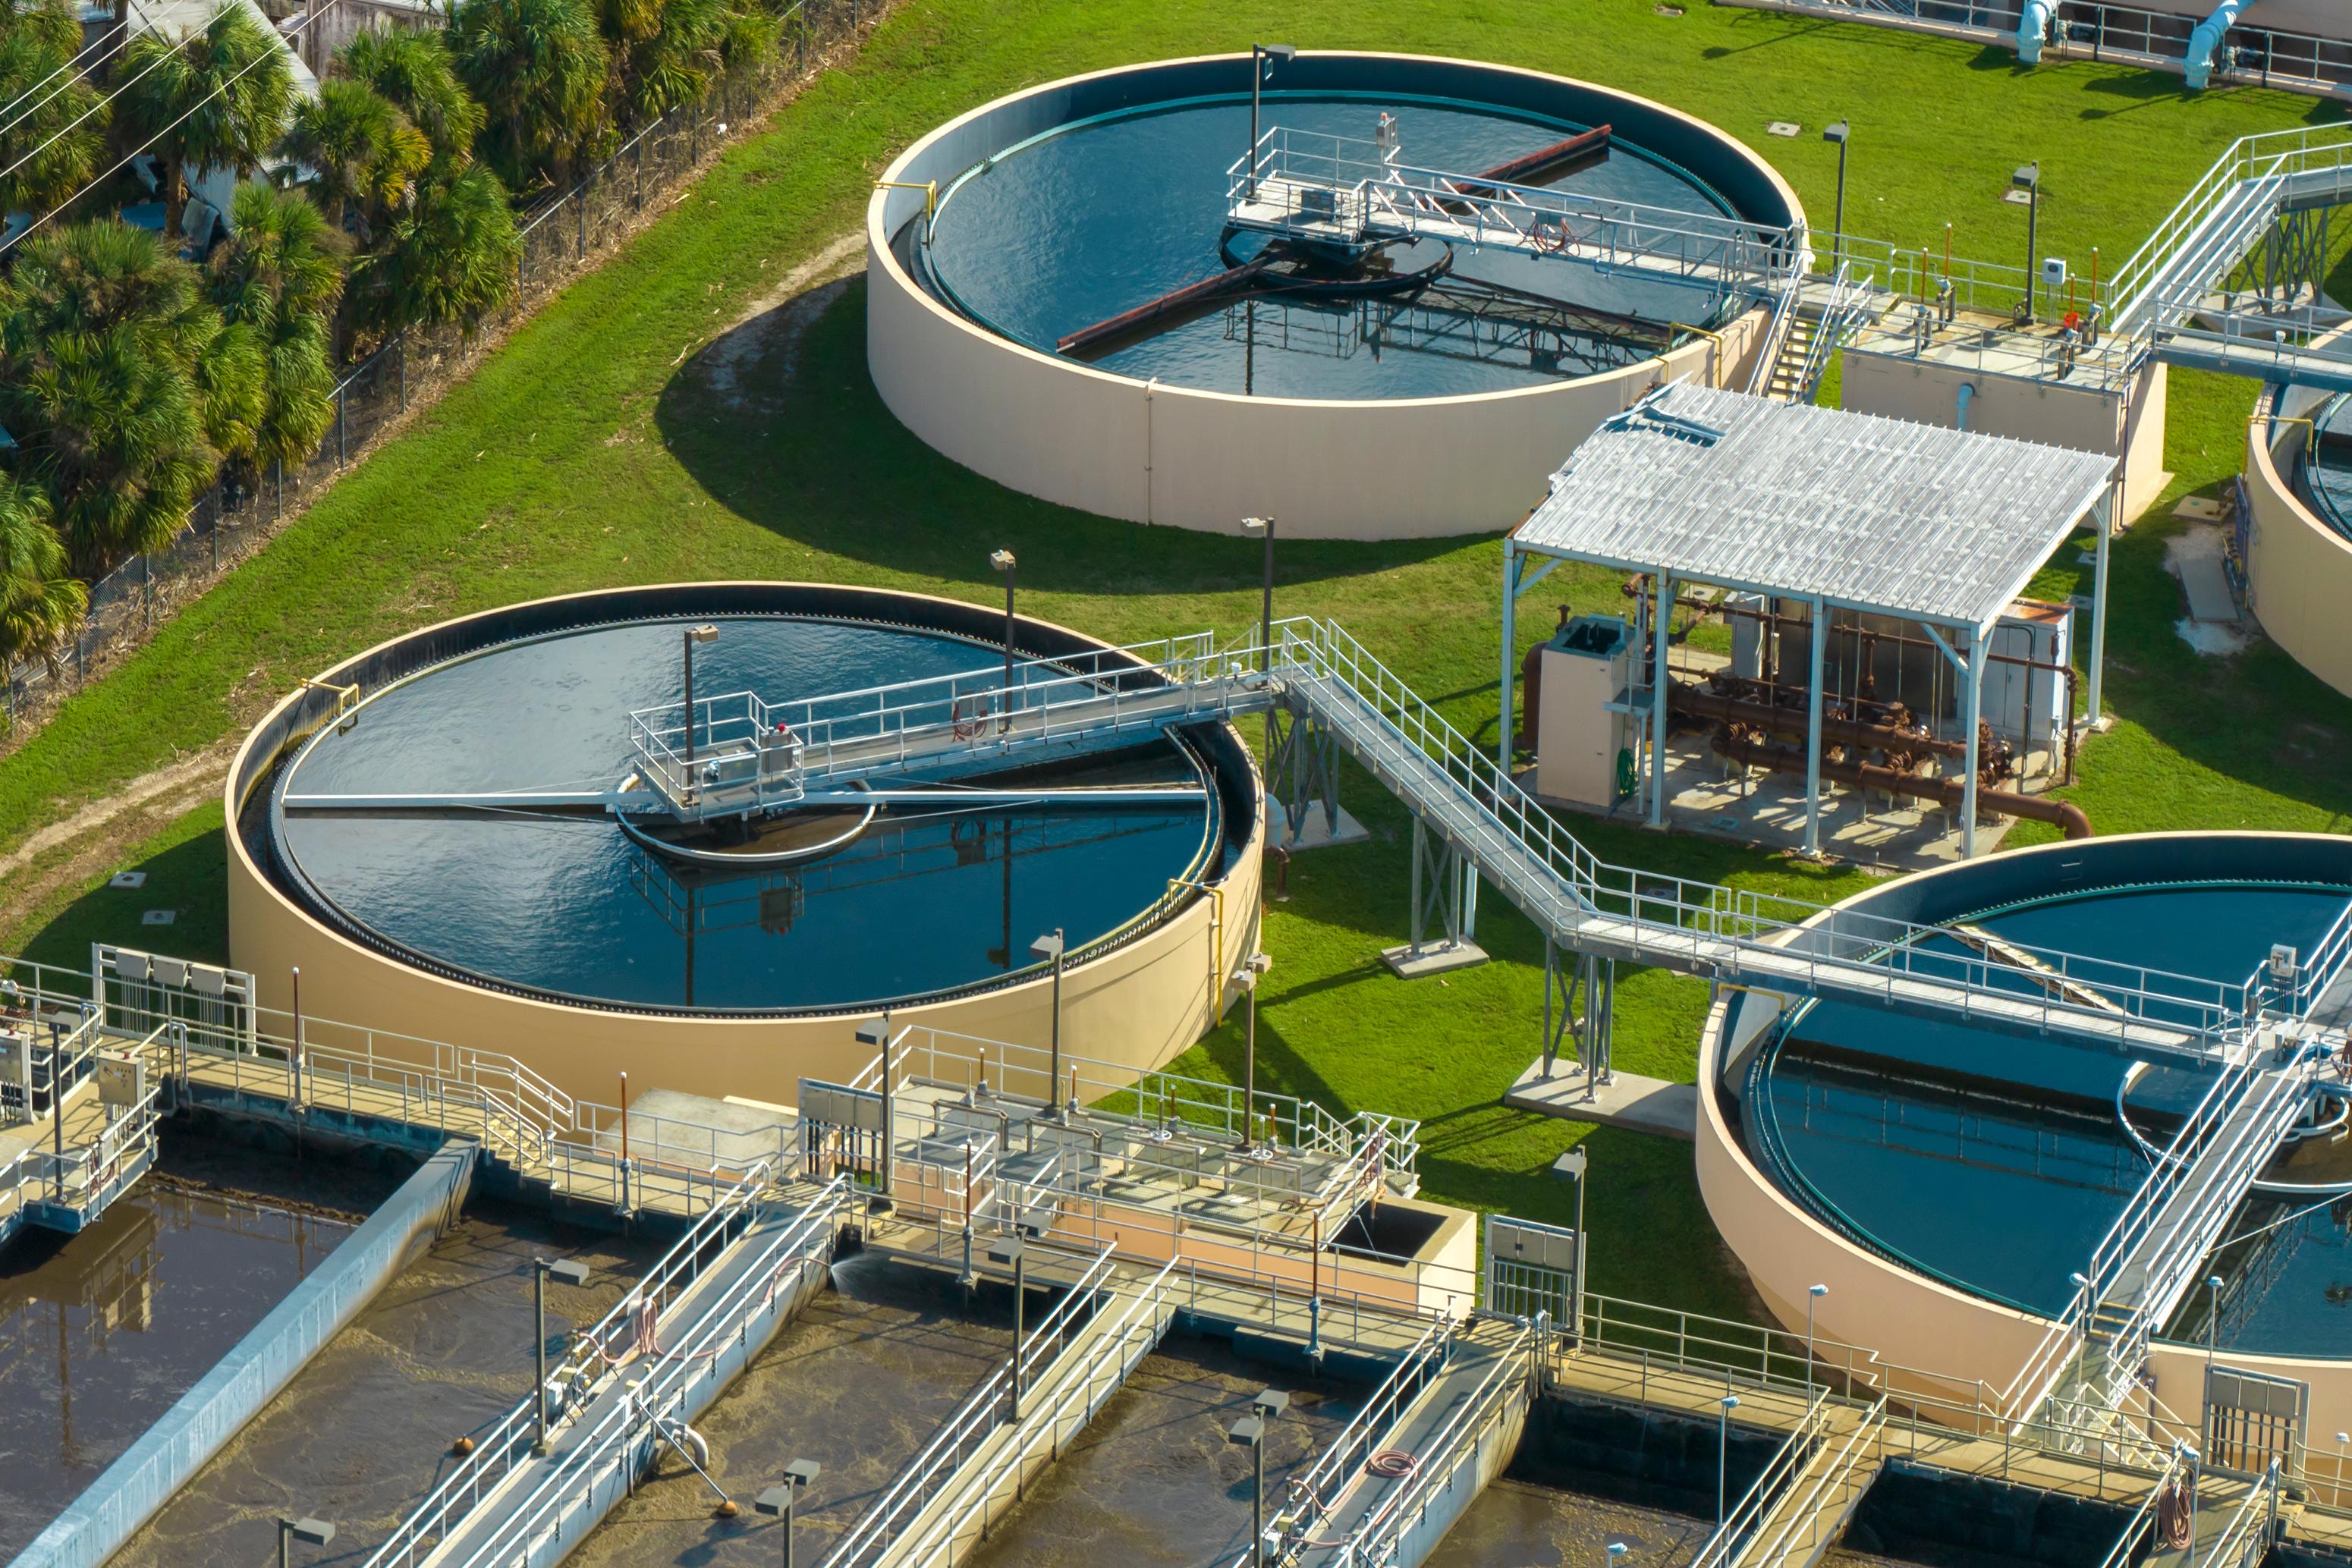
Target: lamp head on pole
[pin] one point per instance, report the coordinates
(570, 1270)
(1257, 525)
(1837, 132)
(1046, 948)
(874, 1036)
(1006, 1251)
(2028, 176)
(1269, 53)
(1817, 1292)
(1269, 1403)
(309, 1532)
(1001, 559)
(1246, 1432)
(1730, 1403)
(702, 634)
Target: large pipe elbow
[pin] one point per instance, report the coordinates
(2074, 820)
(2032, 22)
(2205, 42)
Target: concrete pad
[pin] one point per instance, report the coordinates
(1315, 833)
(2209, 589)
(1628, 1100)
(2199, 509)
(1435, 959)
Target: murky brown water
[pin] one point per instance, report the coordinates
(1152, 1481)
(101, 1333)
(366, 1428)
(858, 1382)
(1520, 1524)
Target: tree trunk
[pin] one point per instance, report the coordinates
(175, 204)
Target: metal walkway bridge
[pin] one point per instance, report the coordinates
(1342, 195)
(1330, 696)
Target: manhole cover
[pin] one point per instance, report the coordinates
(1782, 128)
(159, 917)
(128, 879)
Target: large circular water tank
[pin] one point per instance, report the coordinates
(457, 827)
(1419, 374)
(1949, 1180)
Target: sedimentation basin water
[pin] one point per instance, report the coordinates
(367, 1428)
(103, 1330)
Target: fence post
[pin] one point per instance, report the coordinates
(639, 204)
(147, 588)
(579, 200)
(339, 426)
(403, 341)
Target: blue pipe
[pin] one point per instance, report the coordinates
(2033, 21)
(1967, 390)
(2205, 41)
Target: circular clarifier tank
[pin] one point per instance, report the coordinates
(1105, 292)
(469, 836)
(1950, 1180)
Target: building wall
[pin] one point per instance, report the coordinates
(1151, 452)
(2298, 570)
(1136, 1005)
(2128, 424)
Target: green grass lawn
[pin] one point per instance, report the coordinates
(589, 452)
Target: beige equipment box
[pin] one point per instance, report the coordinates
(1580, 719)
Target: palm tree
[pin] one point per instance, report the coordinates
(41, 607)
(367, 154)
(113, 369)
(279, 277)
(217, 97)
(448, 259)
(537, 68)
(412, 69)
(38, 128)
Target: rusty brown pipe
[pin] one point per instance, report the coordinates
(1948, 792)
(1700, 702)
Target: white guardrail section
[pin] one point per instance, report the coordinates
(1148, 1103)
(519, 1117)
(610, 1350)
(1311, 1497)
(1796, 1537)
(2125, 1553)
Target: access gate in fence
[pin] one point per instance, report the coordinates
(138, 993)
(1535, 1269)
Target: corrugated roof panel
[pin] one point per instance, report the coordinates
(1915, 520)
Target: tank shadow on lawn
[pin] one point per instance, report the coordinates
(790, 432)
(190, 879)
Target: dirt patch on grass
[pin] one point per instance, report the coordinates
(768, 333)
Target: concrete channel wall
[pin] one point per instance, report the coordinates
(100, 1521)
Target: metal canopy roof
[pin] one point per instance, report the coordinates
(1861, 511)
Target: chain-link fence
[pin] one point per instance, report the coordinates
(564, 233)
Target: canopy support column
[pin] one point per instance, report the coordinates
(1972, 697)
(1511, 643)
(2104, 513)
(1661, 619)
(1821, 642)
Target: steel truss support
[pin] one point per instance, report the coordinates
(1442, 876)
(2294, 254)
(1302, 769)
(1579, 1004)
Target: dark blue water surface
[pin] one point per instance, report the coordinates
(2327, 475)
(1105, 216)
(1994, 1161)
(920, 902)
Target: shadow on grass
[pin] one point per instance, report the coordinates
(189, 879)
(780, 420)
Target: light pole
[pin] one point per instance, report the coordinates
(2028, 178)
(1723, 1452)
(572, 1273)
(1261, 58)
(1837, 133)
(2187, 1451)
(2212, 1317)
(1814, 1293)
(1265, 526)
(1047, 950)
(309, 1532)
(688, 638)
(1010, 1253)
(1252, 971)
(777, 1500)
(1250, 1432)
(1618, 1549)
(1003, 561)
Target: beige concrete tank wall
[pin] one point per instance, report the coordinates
(1137, 1005)
(2127, 425)
(2298, 570)
(1151, 453)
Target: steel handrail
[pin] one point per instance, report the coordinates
(1375, 1543)
(972, 1491)
(1807, 1511)
(1787, 1464)
(2122, 1555)
(1346, 1452)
